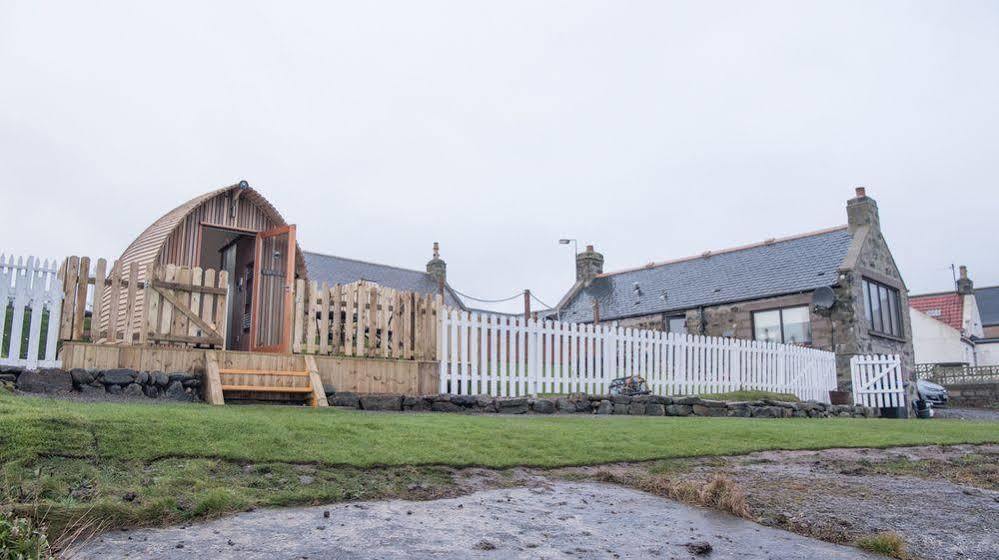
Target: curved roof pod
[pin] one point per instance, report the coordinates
(175, 237)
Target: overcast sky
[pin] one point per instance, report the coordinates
(653, 130)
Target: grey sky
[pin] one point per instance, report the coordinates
(654, 130)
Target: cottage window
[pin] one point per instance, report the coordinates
(790, 325)
(677, 324)
(882, 308)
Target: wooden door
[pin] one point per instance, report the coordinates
(273, 279)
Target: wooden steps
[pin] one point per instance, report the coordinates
(305, 383)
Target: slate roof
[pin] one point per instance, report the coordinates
(785, 266)
(948, 308)
(341, 270)
(988, 305)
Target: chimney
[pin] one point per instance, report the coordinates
(589, 264)
(437, 268)
(965, 286)
(862, 210)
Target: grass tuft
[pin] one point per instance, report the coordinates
(719, 492)
(888, 544)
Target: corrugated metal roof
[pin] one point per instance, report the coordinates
(340, 270)
(988, 305)
(780, 267)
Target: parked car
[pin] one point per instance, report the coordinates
(931, 393)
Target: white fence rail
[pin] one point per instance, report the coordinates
(877, 381)
(30, 298)
(511, 356)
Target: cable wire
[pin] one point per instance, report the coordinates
(535, 298)
(513, 297)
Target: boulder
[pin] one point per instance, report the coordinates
(415, 404)
(565, 405)
(81, 376)
(133, 390)
(445, 406)
(151, 391)
(181, 376)
(687, 400)
(605, 407)
(45, 381)
(678, 410)
(621, 408)
(119, 376)
(159, 379)
(655, 409)
(381, 402)
(11, 370)
(585, 406)
(705, 410)
(621, 399)
(8, 377)
(544, 406)
(712, 403)
(464, 401)
(113, 389)
(344, 398)
(192, 383)
(142, 377)
(738, 412)
(636, 408)
(176, 392)
(485, 403)
(512, 406)
(92, 389)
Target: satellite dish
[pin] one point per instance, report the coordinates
(823, 298)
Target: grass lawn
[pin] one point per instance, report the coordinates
(131, 464)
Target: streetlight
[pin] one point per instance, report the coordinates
(575, 248)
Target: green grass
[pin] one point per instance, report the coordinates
(887, 544)
(141, 464)
(751, 396)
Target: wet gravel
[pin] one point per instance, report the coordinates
(555, 520)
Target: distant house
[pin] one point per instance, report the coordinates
(342, 270)
(960, 327)
(764, 291)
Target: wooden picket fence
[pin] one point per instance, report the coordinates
(509, 356)
(30, 303)
(163, 304)
(878, 381)
(366, 320)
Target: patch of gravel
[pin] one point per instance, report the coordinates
(967, 413)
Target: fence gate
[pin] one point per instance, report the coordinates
(877, 381)
(186, 306)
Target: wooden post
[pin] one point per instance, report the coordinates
(316, 382)
(596, 312)
(527, 305)
(213, 380)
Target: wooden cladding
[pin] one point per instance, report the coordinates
(184, 305)
(366, 320)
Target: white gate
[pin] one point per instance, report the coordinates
(877, 381)
(30, 292)
(509, 356)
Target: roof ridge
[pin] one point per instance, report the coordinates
(368, 262)
(934, 294)
(735, 249)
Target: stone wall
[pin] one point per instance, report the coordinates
(975, 395)
(644, 405)
(180, 386)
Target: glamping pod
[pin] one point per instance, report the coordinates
(233, 229)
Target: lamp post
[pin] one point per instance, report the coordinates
(575, 249)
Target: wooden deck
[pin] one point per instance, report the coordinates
(337, 373)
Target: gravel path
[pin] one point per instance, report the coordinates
(555, 520)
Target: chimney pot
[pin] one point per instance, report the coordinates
(861, 192)
(964, 271)
(589, 248)
(964, 284)
(589, 264)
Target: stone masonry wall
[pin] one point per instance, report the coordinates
(180, 386)
(642, 405)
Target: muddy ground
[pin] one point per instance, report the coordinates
(942, 501)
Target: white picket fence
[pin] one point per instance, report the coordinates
(510, 356)
(30, 291)
(878, 381)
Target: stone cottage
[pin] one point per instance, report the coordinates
(765, 291)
